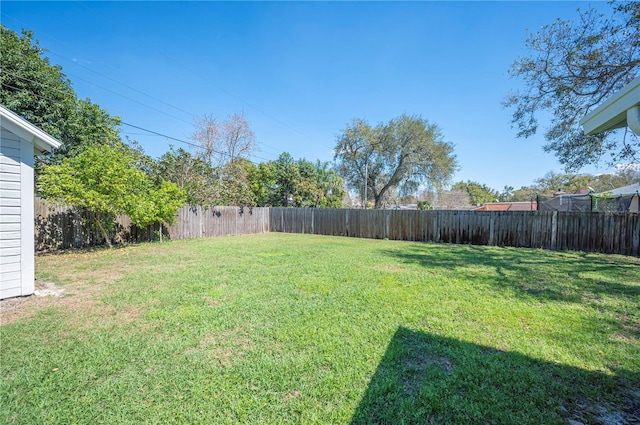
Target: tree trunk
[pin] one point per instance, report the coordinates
(105, 235)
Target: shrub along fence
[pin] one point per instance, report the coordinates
(612, 233)
(60, 227)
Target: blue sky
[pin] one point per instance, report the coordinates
(300, 71)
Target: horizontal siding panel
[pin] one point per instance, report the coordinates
(9, 252)
(9, 143)
(9, 140)
(9, 185)
(10, 218)
(8, 199)
(9, 227)
(6, 235)
(10, 168)
(7, 177)
(10, 289)
(9, 211)
(9, 276)
(9, 259)
(11, 243)
(10, 267)
(10, 157)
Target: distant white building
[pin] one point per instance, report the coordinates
(631, 191)
(19, 142)
(620, 110)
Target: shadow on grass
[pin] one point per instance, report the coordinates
(546, 276)
(425, 378)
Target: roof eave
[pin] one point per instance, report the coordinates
(612, 113)
(42, 141)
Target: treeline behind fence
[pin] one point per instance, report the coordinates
(60, 227)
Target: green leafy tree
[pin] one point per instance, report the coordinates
(424, 206)
(571, 67)
(156, 204)
(553, 182)
(106, 181)
(330, 186)
(302, 183)
(31, 86)
(263, 183)
(287, 180)
(479, 193)
(524, 194)
(41, 93)
(506, 195)
(191, 174)
(235, 186)
(403, 153)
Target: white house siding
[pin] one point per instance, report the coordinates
(16, 216)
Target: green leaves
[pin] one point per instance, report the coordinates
(106, 180)
(41, 93)
(403, 153)
(571, 67)
(479, 193)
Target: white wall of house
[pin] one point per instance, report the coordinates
(19, 142)
(16, 216)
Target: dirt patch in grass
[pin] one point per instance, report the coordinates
(223, 347)
(46, 295)
(80, 300)
(415, 366)
(625, 412)
(391, 268)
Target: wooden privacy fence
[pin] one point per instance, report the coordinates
(61, 227)
(612, 233)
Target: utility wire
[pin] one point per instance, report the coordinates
(274, 150)
(187, 143)
(103, 88)
(124, 85)
(227, 92)
(143, 129)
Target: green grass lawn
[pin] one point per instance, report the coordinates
(281, 328)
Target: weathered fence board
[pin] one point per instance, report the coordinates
(611, 233)
(61, 227)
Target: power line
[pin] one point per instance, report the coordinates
(142, 128)
(227, 92)
(111, 91)
(61, 91)
(103, 88)
(124, 85)
(187, 143)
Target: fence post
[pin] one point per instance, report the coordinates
(347, 223)
(77, 229)
(636, 234)
(554, 229)
(492, 225)
(387, 219)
